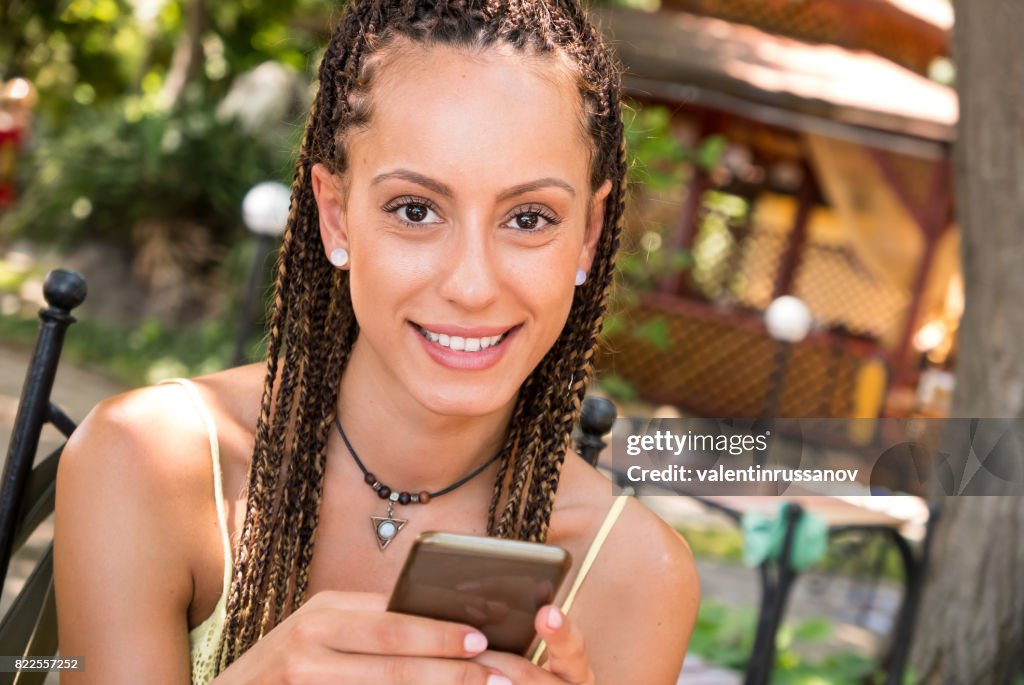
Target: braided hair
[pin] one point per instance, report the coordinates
(312, 327)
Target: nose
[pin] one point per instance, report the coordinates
(470, 279)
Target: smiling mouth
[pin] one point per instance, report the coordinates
(461, 343)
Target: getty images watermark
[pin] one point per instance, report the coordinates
(820, 456)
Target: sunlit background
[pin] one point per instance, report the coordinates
(779, 148)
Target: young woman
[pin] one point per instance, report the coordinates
(455, 215)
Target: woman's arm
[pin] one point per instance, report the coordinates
(646, 599)
(130, 487)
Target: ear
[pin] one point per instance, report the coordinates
(595, 225)
(330, 204)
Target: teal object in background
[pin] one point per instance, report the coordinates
(763, 537)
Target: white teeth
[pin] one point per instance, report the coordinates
(459, 343)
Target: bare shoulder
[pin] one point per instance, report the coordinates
(133, 501)
(648, 568)
(157, 436)
(147, 439)
(638, 530)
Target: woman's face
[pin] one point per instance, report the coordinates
(465, 213)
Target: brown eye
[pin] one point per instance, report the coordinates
(532, 219)
(416, 213)
(528, 222)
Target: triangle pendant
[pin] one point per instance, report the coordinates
(385, 528)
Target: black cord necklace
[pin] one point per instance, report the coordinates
(385, 528)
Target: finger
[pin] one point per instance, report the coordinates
(326, 667)
(567, 654)
(518, 669)
(384, 632)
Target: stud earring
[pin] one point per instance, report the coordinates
(581, 276)
(339, 257)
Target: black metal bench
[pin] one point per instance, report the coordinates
(29, 628)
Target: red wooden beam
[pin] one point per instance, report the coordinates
(805, 198)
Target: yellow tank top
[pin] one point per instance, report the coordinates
(205, 637)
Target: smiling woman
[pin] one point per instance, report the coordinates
(455, 215)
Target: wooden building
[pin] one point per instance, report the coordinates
(833, 184)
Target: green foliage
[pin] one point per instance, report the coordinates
(724, 636)
(655, 332)
(147, 352)
(709, 154)
(112, 167)
(617, 388)
(655, 152)
(721, 544)
(94, 52)
(141, 355)
(657, 164)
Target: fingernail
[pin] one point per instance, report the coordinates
(554, 618)
(475, 642)
(498, 680)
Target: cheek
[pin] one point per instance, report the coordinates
(392, 265)
(384, 266)
(545, 280)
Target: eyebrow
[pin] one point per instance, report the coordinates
(442, 189)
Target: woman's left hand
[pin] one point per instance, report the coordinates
(566, 654)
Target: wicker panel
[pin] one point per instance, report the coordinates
(753, 282)
(840, 290)
(718, 368)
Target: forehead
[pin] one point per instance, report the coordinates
(491, 115)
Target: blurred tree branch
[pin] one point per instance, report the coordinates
(188, 54)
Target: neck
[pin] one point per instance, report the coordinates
(406, 445)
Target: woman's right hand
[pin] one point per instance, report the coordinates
(348, 637)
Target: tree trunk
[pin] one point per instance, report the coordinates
(971, 627)
(188, 54)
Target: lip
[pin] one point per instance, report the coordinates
(464, 361)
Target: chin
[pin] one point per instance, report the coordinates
(464, 402)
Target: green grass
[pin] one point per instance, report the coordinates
(724, 636)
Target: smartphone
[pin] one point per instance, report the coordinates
(493, 584)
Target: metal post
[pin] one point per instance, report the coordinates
(63, 290)
(775, 594)
(596, 419)
(916, 574)
(783, 349)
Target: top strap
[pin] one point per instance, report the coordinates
(595, 546)
(218, 485)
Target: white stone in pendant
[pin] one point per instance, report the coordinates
(385, 528)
